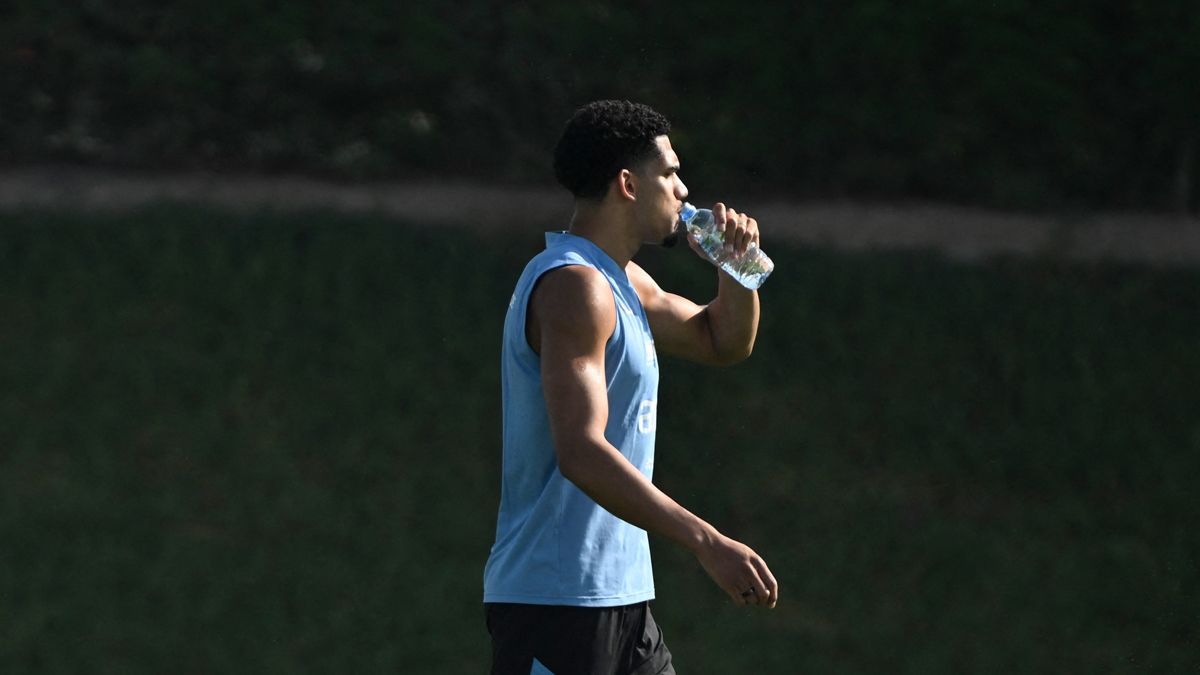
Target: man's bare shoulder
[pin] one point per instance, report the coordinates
(572, 301)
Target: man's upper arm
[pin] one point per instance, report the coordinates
(573, 314)
(680, 326)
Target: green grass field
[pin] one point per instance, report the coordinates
(267, 443)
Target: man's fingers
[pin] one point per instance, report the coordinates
(755, 595)
(726, 222)
(743, 234)
(752, 589)
(742, 597)
(758, 592)
(749, 591)
(738, 229)
(760, 587)
(772, 586)
(733, 228)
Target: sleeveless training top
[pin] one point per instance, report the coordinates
(554, 544)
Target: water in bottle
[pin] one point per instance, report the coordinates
(749, 269)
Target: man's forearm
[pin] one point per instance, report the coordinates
(733, 319)
(599, 469)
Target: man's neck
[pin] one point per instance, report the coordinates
(606, 227)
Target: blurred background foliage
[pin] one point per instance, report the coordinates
(264, 443)
(257, 442)
(1005, 103)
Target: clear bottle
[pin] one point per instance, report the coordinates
(749, 269)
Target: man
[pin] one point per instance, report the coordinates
(568, 582)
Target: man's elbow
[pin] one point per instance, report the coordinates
(569, 467)
(574, 462)
(732, 355)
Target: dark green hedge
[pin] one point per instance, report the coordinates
(268, 444)
(1007, 103)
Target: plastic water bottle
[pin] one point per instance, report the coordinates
(749, 269)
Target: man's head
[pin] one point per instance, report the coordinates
(618, 153)
(602, 138)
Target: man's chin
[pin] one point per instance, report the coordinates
(676, 234)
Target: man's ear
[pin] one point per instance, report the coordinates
(627, 185)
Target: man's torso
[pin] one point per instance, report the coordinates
(554, 544)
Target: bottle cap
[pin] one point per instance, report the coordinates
(687, 212)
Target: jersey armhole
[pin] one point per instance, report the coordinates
(533, 285)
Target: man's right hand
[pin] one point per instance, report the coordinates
(739, 571)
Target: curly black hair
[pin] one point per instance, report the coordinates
(602, 138)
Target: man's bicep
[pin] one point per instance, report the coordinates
(680, 326)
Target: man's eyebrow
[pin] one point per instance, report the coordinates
(672, 168)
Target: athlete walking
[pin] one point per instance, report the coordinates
(568, 582)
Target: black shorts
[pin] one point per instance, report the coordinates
(576, 640)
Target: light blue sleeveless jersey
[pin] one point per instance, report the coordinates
(554, 544)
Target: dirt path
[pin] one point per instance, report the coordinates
(959, 232)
